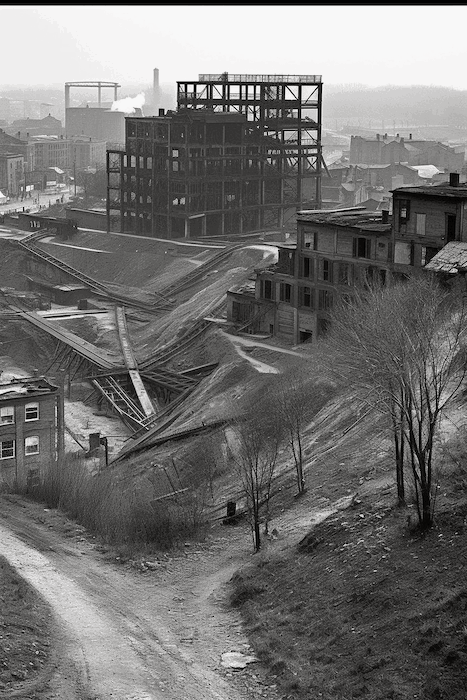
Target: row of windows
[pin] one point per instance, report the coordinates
(306, 295)
(8, 447)
(7, 413)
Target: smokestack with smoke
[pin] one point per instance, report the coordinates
(129, 105)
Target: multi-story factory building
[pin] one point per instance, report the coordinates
(240, 154)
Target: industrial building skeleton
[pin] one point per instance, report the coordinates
(242, 153)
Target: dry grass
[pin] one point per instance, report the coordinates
(120, 512)
(363, 608)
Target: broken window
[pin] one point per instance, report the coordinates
(361, 247)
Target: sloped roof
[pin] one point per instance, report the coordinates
(450, 259)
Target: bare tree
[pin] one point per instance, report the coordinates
(254, 449)
(404, 346)
(300, 396)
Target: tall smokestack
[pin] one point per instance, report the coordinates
(155, 90)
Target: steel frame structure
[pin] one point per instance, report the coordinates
(284, 113)
(242, 153)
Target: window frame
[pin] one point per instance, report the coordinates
(12, 448)
(34, 438)
(29, 406)
(11, 412)
(285, 292)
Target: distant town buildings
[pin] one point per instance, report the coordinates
(384, 149)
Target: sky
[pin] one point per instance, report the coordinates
(371, 45)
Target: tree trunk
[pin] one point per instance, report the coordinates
(427, 518)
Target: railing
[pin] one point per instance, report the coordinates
(250, 78)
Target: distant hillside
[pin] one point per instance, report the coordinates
(405, 105)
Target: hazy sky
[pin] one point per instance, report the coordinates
(346, 44)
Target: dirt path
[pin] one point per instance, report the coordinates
(130, 635)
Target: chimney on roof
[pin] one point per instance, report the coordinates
(454, 179)
(161, 111)
(385, 215)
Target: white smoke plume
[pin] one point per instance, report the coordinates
(129, 104)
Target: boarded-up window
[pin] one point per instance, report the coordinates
(344, 244)
(420, 224)
(324, 242)
(382, 250)
(403, 253)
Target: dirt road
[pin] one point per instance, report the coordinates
(127, 634)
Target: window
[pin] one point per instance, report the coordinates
(343, 275)
(420, 224)
(404, 211)
(31, 411)
(450, 227)
(7, 449)
(285, 292)
(31, 445)
(266, 289)
(324, 270)
(361, 247)
(324, 299)
(7, 414)
(307, 268)
(306, 297)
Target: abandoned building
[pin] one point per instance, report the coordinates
(335, 250)
(31, 430)
(242, 153)
(425, 219)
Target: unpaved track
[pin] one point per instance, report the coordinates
(128, 635)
